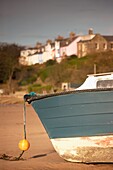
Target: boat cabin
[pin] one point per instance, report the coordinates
(95, 81)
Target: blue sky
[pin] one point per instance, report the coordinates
(26, 22)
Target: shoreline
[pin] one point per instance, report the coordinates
(11, 99)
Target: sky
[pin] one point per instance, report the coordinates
(26, 22)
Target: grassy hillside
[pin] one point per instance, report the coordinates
(71, 69)
(51, 75)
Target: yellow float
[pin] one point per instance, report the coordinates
(24, 145)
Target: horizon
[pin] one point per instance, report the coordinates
(28, 22)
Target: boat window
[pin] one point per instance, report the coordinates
(105, 84)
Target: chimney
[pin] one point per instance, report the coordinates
(72, 35)
(90, 31)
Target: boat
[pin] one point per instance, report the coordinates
(79, 122)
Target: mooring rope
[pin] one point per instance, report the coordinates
(24, 116)
(11, 158)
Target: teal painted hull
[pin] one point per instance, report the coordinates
(77, 114)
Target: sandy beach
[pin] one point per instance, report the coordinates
(41, 155)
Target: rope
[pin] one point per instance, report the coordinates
(11, 158)
(24, 116)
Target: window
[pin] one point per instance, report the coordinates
(96, 45)
(111, 45)
(105, 46)
(42, 49)
(83, 47)
(38, 50)
(105, 84)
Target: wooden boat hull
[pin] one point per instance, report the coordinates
(79, 124)
(85, 149)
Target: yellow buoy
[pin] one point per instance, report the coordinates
(24, 145)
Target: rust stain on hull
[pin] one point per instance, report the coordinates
(85, 149)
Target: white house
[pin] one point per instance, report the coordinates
(49, 53)
(31, 56)
(27, 52)
(57, 49)
(32, 59)
(70, 46)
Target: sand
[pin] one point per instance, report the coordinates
(41, 155)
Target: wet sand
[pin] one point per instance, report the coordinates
(41, 155)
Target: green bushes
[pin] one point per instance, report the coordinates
(39, 89)
(45, 73)
(50, 63)
(28, 80)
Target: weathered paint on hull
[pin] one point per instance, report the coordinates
(85, 149)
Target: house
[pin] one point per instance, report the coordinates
(74, 45)
(69, 46)
(49, 52)
(81, 45)
(31, 56)
(28, 51)
(31, 59)
(91, 43)
(109, 39)
(38, 55)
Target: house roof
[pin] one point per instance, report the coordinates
(108, 37)
(35, 53)
(67, 41)
(85, 38)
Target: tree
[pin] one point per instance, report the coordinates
(9, 61)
